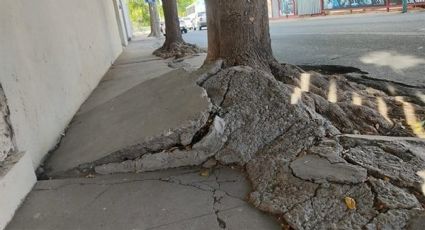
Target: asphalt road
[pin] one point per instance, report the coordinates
(389, 46)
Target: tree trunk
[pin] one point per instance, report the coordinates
(172, 24)
(238, 33)
(154, 20)
(174, 45)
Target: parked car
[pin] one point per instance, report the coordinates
(188, 23)
(183, 27)
(200, 20)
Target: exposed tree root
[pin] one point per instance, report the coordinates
(299, 168)
(177, 50)
(352, 107)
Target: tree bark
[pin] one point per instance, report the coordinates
(174, 45)
(238, 33)
(213, 25)
(154, 20)
(172, 23)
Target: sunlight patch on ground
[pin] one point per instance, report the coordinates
(296, 95)
(382, 108)
(304, 87)
(357, 100)
(305, 82)
(332, 96)
(411, 119)
(396, 61)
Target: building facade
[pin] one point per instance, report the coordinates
(52, 55)
(287, 8)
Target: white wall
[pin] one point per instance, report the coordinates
(52, 55)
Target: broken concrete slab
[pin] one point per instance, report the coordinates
(397, 159)
(321, 170)
(205, 148)
(393, 197)
(308, 189)
(145, 119)
(168, 199)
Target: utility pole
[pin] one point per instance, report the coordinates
(404, 2)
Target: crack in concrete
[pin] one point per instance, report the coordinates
(217, 199)
(375, 202)
(303, 202)
(226, 92)
(217, 193)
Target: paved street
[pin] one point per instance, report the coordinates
(386, 45)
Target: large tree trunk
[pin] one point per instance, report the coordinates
(238, 33)
(154, 20)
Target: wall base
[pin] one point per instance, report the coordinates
(16, 180)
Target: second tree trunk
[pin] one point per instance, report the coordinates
(238, 33)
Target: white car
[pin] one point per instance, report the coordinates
(200, 20)
(183, 27)
(187, 22)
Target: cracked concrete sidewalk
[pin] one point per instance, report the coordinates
(172, 199)
(140, 98)
(137, 99)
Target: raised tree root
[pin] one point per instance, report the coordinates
(274, 138)
(356, 108)
(177, 50)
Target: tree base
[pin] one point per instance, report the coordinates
(315, 160)
(303, 167)
(177, 50)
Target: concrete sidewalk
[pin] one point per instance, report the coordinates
(172, 199)
(139, 98)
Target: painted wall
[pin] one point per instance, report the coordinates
(53, 53)
(275, 8)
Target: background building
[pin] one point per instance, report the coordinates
(287, 8)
